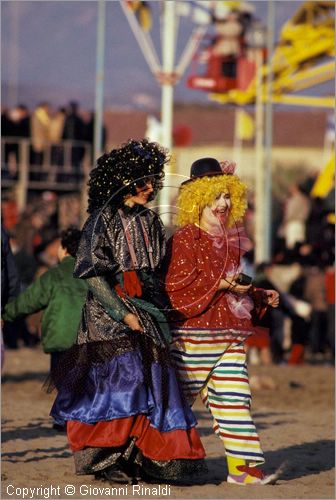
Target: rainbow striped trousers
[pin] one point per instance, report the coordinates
(213, 364)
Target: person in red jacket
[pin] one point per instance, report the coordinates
(330, 297)
(213, 309)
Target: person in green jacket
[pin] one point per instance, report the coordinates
(59, 295)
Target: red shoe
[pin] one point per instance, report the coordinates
(296, 355)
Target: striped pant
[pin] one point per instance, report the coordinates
(212, 365)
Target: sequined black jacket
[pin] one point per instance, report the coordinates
(102, 256)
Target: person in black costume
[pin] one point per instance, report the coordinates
(274, 319)
(74, 130)
(10, 280)
(117, 388)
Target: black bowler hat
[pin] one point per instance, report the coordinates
(204, 167)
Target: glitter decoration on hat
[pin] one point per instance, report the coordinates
(228, 167)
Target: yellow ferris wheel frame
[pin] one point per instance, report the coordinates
(304, 57)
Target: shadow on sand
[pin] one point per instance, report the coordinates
(31, 431)
(24, 377)
(294, 461)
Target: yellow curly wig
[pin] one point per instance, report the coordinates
(197, 194)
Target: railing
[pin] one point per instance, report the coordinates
(62, 167)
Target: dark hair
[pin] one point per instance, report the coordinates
(117, 173)
(70, 238)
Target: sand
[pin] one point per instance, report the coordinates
(295, 422)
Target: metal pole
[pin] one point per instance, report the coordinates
(167, 97)
(259, 164)
(168, 69)
(269, 132)
(237, 141)
(99, 90)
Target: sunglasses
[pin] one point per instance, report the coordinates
(143, 183)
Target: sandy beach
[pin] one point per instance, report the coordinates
(295, 422)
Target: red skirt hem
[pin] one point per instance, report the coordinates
(156, 445)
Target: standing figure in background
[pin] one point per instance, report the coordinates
(330, 296)
(40, 133)
(212, 310)
(16, 331)
(315, 294)
(74, 130)
(274, 318)
(300, 320)
(90, 131)
(228, 43)
(15, 125)
(59, 295)
(117, 388)
(7, 132)
(24, 122)
(56, 133)
(297, 208)
(10, 281)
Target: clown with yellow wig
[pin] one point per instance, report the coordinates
(214, 308)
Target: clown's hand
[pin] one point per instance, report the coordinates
(132, 321)
(240, 289)
(229, 283)
(273, 298)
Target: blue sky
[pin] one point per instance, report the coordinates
(48, 48)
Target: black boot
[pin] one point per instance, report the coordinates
(114, 474)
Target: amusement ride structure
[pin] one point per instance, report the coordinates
(303, 57)
(253, 71)
(243, 66)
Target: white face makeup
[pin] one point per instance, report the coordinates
(221, 206)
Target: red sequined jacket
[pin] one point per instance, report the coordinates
(195, 264)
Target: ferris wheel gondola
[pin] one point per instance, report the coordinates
(222, 73)
(303, 58)
(229, 62)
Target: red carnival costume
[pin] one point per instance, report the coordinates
(212, 313)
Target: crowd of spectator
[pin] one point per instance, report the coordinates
(47, 129)
(32, 238)
(302, 270)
